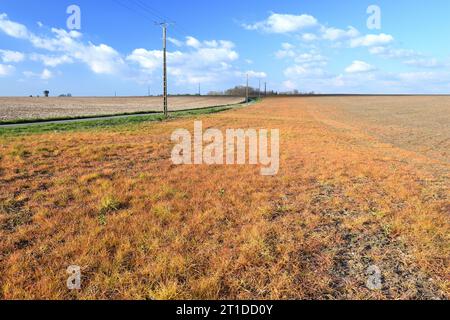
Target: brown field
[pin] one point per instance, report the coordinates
(15, 108)
(363, 181)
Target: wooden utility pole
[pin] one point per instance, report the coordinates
(259, 89)
(246, 91)
(166, 111)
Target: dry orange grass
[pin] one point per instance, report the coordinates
(142, 228)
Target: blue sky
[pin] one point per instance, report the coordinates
(321, 46)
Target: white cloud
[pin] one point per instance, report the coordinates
(283, 23)
(44, 75)
(51, 61)
(335, 34)
(200, 61)
(287, 46)
(309, 37)
(206, 61)
(101, 59)
(192, 42)
(6, 70)
(11, 28)
(392, 53)
(419, 76)
(175, 42)
(411, 57)
(424, 63)
(311, 59)
(359, 67)
(286, 53)
(9, 56)
(289, 85)
(303, 72)
(372, 40)
(255, 74)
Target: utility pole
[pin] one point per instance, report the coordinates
(265, 89)
(199, 89)
(259, 89)
(166, 111)
(246, 91)
(164, 27)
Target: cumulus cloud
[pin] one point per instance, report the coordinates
(392, 53)
(195, 61)
(101, 58)
(6, 70)
(192, 42)
(420, 76)
(175, 42)
(372, 40)
(335, 34)
(309, 37)
(12, 28)
(359, 67)
(283, 23)
(205, 61)
(289, 85)
(302, 72)
(9, 56)
(51, 61)
(309, 59)
(44, 75)
(424, 63)
(286, 51)
(411, 58)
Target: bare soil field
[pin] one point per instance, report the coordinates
(14, 108)
(352, 193)
(416, 123)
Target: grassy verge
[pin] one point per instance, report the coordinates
(41, 120)
(105, 123)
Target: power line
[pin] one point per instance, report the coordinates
(130, 8)
(143, 9)
(161, 17)
(150, 14)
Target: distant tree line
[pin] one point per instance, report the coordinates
(241, 91)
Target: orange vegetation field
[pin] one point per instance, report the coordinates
(363, 182)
